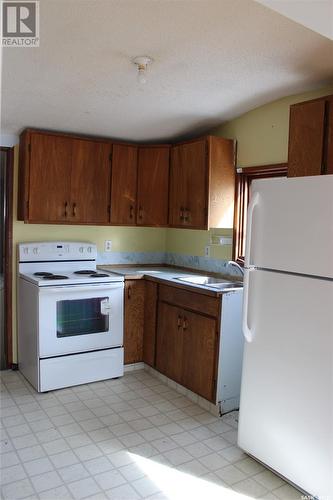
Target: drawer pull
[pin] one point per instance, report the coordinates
(140, 212)
(179, 322)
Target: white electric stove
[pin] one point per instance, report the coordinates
(70, 316)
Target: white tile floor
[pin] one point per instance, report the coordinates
(129, 438)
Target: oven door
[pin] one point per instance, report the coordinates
(78, 318)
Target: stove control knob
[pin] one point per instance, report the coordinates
(81, 249)
(35, 251)
(26, 250)
(89, 249)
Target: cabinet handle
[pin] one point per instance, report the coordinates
(66, 205)
(74, 209)
(131, 212)
(179, 321)
(129, 292)
(181, 213)
(187, 215)
(140, 212)
(185, 324)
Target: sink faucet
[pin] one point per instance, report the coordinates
(235, 264)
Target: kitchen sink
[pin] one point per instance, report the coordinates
(210, 281)
(227, 286)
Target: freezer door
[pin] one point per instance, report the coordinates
(286, 415)
(290, 225)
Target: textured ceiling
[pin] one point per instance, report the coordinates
(213, 60)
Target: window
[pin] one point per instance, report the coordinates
(243, 182)
(81, 317)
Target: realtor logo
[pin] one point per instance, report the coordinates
(20, 24)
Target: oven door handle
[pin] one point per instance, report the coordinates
(105, 307)
(78, 288)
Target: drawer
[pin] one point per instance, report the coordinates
(194, 301)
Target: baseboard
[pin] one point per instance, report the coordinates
(134, 366)
(203, 403)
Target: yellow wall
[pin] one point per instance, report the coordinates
(262, 134)
(262, 139)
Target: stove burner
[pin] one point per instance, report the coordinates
(99, 275)
(56, 277)
(85, 271)
(43, 274)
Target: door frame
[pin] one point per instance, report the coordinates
(8, 255)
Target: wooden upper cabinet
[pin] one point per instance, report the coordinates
(306, 139)
(73, 179)
(311, 138)
(45, 194)
(134, 320)
(124, 184)
(63, 179)
(202, 183)
(90, 182)
(188, 185)
(153, 186)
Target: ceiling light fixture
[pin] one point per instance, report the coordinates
(142, 63)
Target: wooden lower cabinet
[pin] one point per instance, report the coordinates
(179, 342)
(199, 354)
(150, 317)
(169, 341)
(186, 348)
(134, 320)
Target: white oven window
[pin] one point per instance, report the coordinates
(82, 316)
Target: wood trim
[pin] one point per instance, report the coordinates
(324, 97)
(264, 171)
(243, 181)
(87, 137)
(8, 254)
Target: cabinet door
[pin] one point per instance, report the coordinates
(153, 186)
(134, 320)
(149, 334)
(49, 178)
(124, 184)
(169, 341)
(188, 185)
(199, 354)
(306, 138)
(90, 182)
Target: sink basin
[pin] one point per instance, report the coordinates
(227, 286)
(146, 271)
(200, 280)
(210, 281)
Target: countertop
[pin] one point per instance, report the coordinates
(170, 275)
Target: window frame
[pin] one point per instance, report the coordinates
(244, 178)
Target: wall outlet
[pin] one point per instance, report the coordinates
(108, 245)
(207, 251)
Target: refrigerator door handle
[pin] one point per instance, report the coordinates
(247, 332)
(253, 203)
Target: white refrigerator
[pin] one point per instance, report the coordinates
(286, 405)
